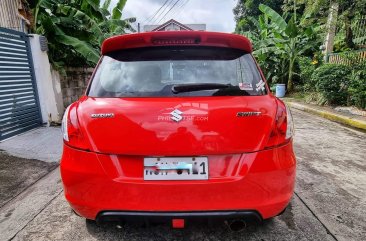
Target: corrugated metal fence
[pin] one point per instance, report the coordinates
(19, 105)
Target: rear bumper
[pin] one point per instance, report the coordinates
(118, 216)
(102, 186)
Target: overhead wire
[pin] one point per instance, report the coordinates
(168, 11)
(148, 19)
(163, 10)
(178, 10)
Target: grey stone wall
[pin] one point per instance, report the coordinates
(74, 84)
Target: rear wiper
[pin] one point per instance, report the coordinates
(197, 87)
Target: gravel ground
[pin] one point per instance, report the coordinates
(16, 174)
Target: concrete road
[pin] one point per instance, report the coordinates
(44, 143)
(16, 174)
(331, 174)
(329, 202)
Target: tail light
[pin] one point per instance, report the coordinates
(283, 129)
(71, 132)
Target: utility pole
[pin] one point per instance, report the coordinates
(138, 28)
(331, 28)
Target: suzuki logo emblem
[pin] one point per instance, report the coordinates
(176, 115)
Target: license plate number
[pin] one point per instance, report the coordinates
(175, 168)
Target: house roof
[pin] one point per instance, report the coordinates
(187, 27)
(170, 22)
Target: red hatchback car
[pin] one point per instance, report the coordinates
(177, 126)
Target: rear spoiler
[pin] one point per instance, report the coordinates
(176, 38)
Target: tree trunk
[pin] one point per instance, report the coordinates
(290, 84)
(349, 32)
(292, 59)
(331, 27)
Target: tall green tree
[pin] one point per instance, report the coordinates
(247, 9)
(349, 12)
(75, 29)
(279, 43)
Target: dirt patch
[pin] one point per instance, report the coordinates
(16, 174)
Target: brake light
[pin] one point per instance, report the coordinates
(71, 132)
(283, 129)
(172, 41)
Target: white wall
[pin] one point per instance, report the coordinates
(49, 88)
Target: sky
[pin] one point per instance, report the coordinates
(216, 14)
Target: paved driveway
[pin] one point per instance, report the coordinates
(329, 202)
(16, 174)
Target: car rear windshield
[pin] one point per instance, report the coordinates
(191, 71)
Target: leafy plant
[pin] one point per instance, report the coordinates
(307, 67)
(268, 56)
(332, 82)
(278, 44)
(357, 86)
(247, 9)
(75, 29)
(357, 76)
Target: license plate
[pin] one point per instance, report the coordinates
(175, 168)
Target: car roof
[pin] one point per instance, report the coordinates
(176, 38)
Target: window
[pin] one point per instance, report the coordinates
(152, 72)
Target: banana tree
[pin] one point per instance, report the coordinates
(266, 40)
(280, 42)
(75, 29)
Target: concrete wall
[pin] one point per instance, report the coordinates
(49, 88)
(56, 91)
(74, 84)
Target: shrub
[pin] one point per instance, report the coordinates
(306, 71)
(357, 86)
(332, 81)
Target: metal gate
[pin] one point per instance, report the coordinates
(19, 105)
